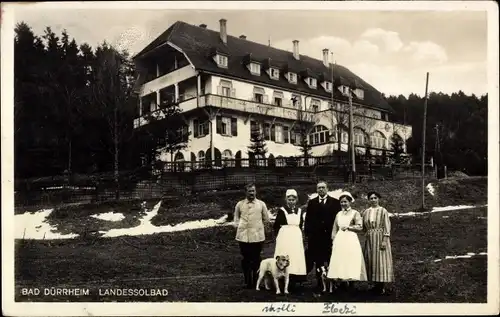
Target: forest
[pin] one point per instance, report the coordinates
(74, 107)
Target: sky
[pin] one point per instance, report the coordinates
(391, 50)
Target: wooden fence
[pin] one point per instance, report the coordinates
(181, 182)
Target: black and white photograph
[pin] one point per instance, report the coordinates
(250, 158)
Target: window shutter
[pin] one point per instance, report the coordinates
(219, 90)
(234, 127)
(285, 135)
(266, 131)
(218, 124)
(273, 133)
(206, 127)
(195, 128)
(265, 99)
(233, 92)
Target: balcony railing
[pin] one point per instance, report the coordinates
(158, 114)
(257, 108)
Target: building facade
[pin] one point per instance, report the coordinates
(226, 86)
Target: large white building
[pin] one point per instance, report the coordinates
(225, 85)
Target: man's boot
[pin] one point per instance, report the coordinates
(255, 275)
(319, 282)
(246, 273)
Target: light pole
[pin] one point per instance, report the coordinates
(351, 138)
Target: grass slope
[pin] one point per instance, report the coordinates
(171, 260)
(398, 197)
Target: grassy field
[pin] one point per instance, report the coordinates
(204, 265)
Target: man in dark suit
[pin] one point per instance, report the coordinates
(318, 226)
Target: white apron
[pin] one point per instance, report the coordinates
(289, 242)
(346, 262)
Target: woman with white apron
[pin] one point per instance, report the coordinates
(347, 262)
(288, 228)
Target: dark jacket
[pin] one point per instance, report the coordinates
(281, 218)
(319, 219)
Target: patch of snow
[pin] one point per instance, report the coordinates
(110, 216)
(35, 226)
(430, 189)
(147, 228)
(435, 209)
(466, 256)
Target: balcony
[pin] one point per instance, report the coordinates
(166, 80)
(246, 106)
(186, 105)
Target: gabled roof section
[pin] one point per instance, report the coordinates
(161, 39)
(199, 43)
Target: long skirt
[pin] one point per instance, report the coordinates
(289, 242)
(347, 262)
(379, 265)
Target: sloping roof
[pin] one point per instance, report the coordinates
(200, 43)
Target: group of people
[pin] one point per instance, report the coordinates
(331, 229)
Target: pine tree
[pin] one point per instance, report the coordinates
(303, 128)
(257, 148)
(397, 147)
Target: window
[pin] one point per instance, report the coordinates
(328, 86)
(274, 73)
(278, 98)
(257, 97)
(201, 128)
(227, 158)
(225, 88)
(201, 156)
(319, 135)
(255, 68)
(359, 137)
(183, 134)
(312, 82)
(315, 105)
(292, 78)
(279, 133)
(222, 61)
(360, 93)
(226, 126)
(226, 91)
(286, 135)
(378, 140)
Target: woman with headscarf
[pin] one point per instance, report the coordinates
(347, 262)
(377, 252)
(289, 241)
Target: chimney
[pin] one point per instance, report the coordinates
(296, 49)
(203, 26)
(243, 37)
(325, 57)
(223, 30)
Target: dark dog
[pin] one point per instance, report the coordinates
(327, 283)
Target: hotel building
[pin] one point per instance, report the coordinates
(225, 85)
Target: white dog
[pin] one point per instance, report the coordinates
(275, 268)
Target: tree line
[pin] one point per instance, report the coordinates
(74, 109)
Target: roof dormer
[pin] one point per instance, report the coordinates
(327, 85)
(252, 64)
(272, 70)
(310, 78)
(292, 77)
(326, 82)
(220, 58)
